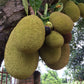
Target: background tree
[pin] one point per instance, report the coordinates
(66, 73)
(50, 78)
(77, 49)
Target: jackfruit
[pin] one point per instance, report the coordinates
(54, 39)
(67, 37)
(63, 61)
(29, 34)
(81, 7)
(72, 10)
(19, 64)
(61, 22)
(50, 55)
(47, 30)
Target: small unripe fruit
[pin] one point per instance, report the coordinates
(47, 30)
(49, 24)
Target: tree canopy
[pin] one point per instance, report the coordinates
(76, 62)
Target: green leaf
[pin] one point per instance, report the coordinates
(25, 4)
(35, 4)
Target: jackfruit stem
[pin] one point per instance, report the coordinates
(35, 12)
(39, 13)
(43, 18)
(31, 10)
(46, 9)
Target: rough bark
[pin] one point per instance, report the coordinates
(10, 13)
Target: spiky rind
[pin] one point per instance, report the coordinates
(63, 61)
(81, 7)
(50, 55)
(54, 39)
(19, 64)
(29, 34)
(72, 10)
(61, 22)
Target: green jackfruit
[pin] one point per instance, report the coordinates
(29, 34)
(81, 7)
(50, 55)
(54, 39)
(63, 61)
(19, 64)
(72, 10)
(61, 22)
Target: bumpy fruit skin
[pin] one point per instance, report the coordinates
(81, 7)
(63, 61)
(72, 10)
(47, 30)
(67, 37)
(29, 34)
(21, 52)
(19, 64)
(54, 39)
(61, 22)
(50, 55)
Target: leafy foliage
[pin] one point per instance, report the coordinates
(50, 78)
(35, 4)
(80, 1)
(25, 4)
(77, 50)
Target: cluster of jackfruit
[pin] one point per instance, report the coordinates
(28, 41)
(74, 11)
(55, 51)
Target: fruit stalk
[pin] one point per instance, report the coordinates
(31, 10)
(46, 9)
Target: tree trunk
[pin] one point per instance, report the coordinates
(10, 13)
